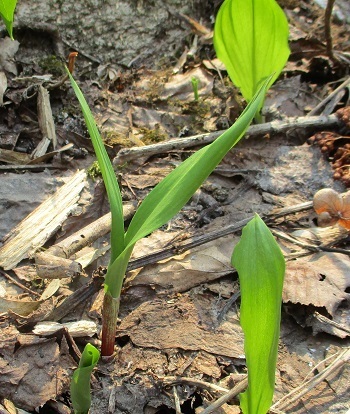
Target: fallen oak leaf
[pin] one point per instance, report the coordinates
(332, 208)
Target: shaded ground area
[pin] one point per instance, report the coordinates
(179, 345)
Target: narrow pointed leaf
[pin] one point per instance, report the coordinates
(173, 192)
(108, 175)
(251, 39)
(116, 271)
(7, 10)
(261, 266)
(80, 384)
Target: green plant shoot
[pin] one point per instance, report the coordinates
(80, 384)
(7, 10)
(251, 39)
(195, 82)
(161, 204)
(261, 267)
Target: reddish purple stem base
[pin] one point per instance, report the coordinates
(109, 324)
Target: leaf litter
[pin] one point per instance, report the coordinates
(174, 318)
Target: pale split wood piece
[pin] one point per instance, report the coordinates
(32, 232)
(56, 262)
(46, 123)
(87, 235)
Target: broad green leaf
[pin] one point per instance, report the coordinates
(80, 384)
(7, 10)
(251, 39)
(108, 175)
(173, 192)
(261, 266)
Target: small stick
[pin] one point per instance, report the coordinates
(177, 401)
(237, 389)
(328, 321)
(328, 31)
(298, 392)
(192, 242)
(15, 282)
(194, 382)
(88, 234)
(227, 306)
(79, 296)
(343, 85)
(273, 127)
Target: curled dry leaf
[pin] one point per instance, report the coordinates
(332, 208)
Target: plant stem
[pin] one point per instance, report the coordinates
(109, 324)
(328, 31)
(259, 119)
(194, 82)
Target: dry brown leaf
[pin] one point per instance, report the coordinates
(34, 372)
(8, 49)
(26, 307)
(178, 324)
(192, 268)
(180, 85)
(320, 280)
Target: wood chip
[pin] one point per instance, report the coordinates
(76, 329)
(46, 123)
(32, 232)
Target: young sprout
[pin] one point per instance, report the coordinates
(161, 204)
(80, 385)
(7, 10)
(194, 82)
(261, 266)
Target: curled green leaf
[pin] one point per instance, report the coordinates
(261, 267)
(80, 384)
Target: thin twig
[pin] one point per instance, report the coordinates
(176, 400)
(298, 392)
(194, 383)
(319, 106)
(79, 296)
(328, 30)
(237, 389)
(326, 321)
(192, 242)
(227, 306)
(15, 282)
(269, 128)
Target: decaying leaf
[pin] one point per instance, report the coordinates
(26, 307)
(162, 324)
(320, 280)
(181, 87)
(332, 208)
(183, 272)
(32, 370)
(8, 49)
